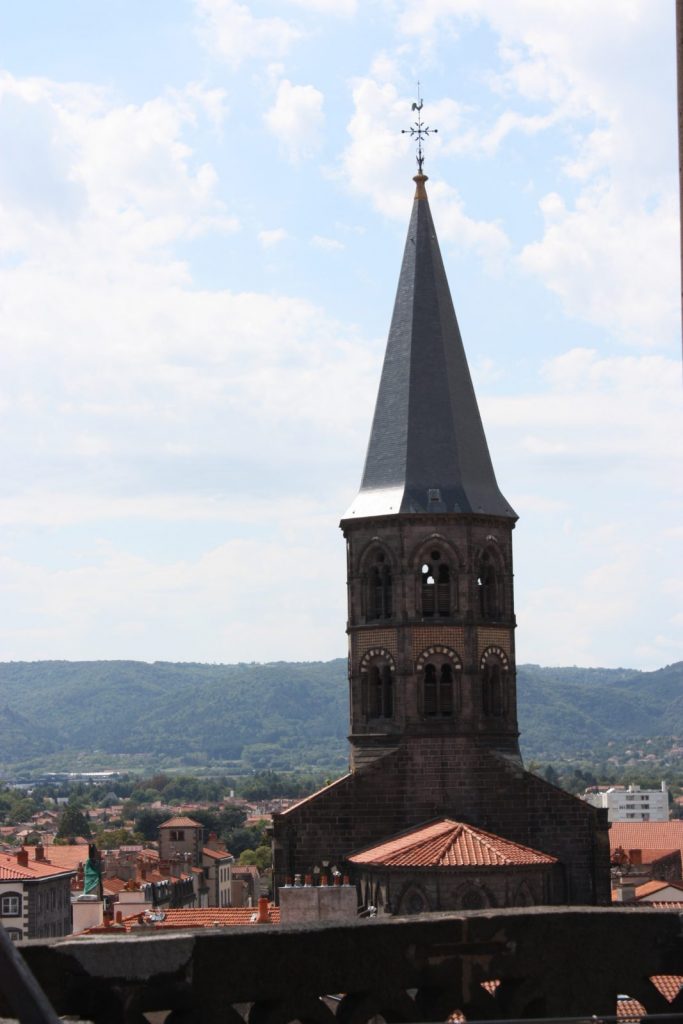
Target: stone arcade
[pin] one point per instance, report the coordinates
(431, 648)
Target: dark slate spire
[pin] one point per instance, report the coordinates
(427, 450)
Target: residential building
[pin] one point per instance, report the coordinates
(217, 862)
(181, 840)
(631, 803)
(35, 895)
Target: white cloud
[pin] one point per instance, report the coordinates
(609, 251)
(88, 174)
(297, 119)
(339, 8)
(612, 264)
(232, 31)
(374, 164)
(330, 244)
(118, 602)
(271, 237)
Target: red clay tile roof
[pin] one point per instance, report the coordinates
(12, 870)
(647, 835)
(445, 844)
(202, 917)
(668, 984)
(655, 885)
(65, 857)
(630, 1010)
(216, 854)
(180, 822)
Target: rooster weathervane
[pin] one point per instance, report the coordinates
(419, 131)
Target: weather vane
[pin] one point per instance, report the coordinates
(419, 131)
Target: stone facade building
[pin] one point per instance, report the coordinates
(35, 895)
(431, 624)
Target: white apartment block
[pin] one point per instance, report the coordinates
(631, 803)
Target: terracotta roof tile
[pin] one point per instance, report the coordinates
(446, 843)
(181, 822)
(216, 854)
(655, 885)
(669, 985)
(12, 870)
(65, 856)
(647, 835)
(202, 917)
(630, 1010)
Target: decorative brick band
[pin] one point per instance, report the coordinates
(376, 652)
(438, 649)
(425, 636)
(385, 638)
(499, 653)
(492, 638)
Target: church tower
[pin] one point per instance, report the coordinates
(436, 778)
(429, 538)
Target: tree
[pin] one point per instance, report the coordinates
(262, 857)
(147, 821)
(73, 821)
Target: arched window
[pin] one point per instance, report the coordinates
(436, 594)
(473, 899)
(378, 588)
(488, 585)
(440, 669)
(377, 684)
(413, 900)
(494, 683)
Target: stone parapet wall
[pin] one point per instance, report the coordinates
(535, 962)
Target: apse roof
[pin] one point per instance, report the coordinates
(448, 844)
(427, 449)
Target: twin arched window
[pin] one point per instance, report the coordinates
(436, 595)
(379, 588)
(438, 691)
(439, 668)
(377, 684)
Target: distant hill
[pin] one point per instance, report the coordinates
(288, 715)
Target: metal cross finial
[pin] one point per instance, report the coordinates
(419, 131)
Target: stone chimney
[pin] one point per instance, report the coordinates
(40, 852)
(22, 857)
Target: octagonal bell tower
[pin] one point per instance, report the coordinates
(429, 540)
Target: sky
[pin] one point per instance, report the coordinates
(203, 206)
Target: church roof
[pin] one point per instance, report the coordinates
(427, 450)
(448, 844)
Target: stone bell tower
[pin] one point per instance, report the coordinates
(429, 537)
(431, 624)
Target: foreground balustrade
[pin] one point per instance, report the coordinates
(488, 965)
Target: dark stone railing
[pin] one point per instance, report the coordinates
(549, 962)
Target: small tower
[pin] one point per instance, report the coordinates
(429, 537)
